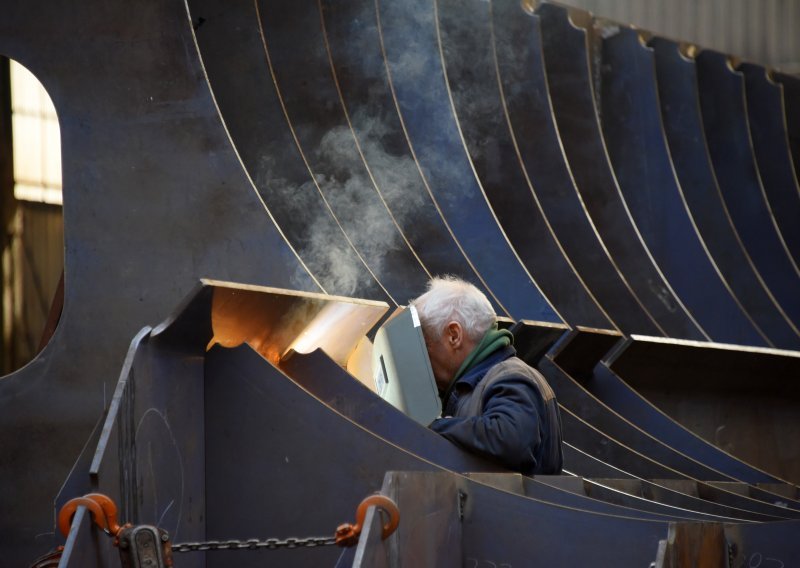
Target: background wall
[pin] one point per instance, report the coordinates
(762, 31)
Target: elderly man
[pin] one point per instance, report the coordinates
(495, 405)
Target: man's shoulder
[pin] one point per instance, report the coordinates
(511, 366)
(515, 369)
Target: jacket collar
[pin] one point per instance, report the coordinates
(472, 377)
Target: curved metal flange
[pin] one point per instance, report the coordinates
(767, 123)
(721, 93)
(566, 57)
(683, 126)
(654, 367)
(466, 49)
(353, 43)
(639, 154)
(526, 103)
(413, 63)
(233, 55)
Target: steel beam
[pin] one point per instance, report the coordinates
(722, 104)
(766, 121)
(639, 154)
(517, 53)
(234, 58)
(567, 62)
(465, 40)
(648, 367)
(409, 42)
(683, 126)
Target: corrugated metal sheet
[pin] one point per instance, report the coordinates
(763, 31)
(32, 268)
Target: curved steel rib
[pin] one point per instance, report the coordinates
(408, 38)
(725, 122)
(683, 126)
(353, 44)
(233, 56)
(566, 57)
(464, 38)
(643, 166)
(767, 123)
(526, 103)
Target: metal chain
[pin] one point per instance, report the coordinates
(254, 544)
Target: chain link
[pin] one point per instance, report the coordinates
(254, 544)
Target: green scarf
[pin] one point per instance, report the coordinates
(493, 340)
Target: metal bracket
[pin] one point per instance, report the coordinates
(145, 546)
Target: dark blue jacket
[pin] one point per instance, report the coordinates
(516, 424)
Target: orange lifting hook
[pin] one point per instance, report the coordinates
(347, 534)
(104, 512)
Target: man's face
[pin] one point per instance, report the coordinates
(447, 352)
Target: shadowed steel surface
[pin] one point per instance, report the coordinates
(465, 41)
(232, 50)
(566, 57)
(311, 102)
(639, 154)
(723, 389)
(522, 530)
(791, 104)
(683, 126)
(146, 213)
(572, 395)
(606, 449)
(767, 121)
(161, 190)
(722, 105)
(526, 103)
(354, 46)
(618, 395)
(495, 528)
(408, 35)
(316, 374)
(328, 382)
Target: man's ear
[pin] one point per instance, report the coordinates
(455, 334)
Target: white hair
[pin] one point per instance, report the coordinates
(451, 299)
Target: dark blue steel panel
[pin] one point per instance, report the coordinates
(408, 33)
(590, 439)
(464, 33)
(725, 121)
(683, 126)
(635, 508)
(791, 107)
(764, 544)
(566, 58)
(332, 385)
(325, 381)
(266, 434)
(571, 395)
(233, 55)
(353, 41)
(631, 120)
(155, 198)
(610, 387)
(526, 102)
(767, 123)
(303, 78)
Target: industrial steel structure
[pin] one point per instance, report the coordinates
(241, 175)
